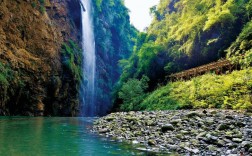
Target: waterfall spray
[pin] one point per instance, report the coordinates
(89, 62)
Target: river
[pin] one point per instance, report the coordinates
(42, 136)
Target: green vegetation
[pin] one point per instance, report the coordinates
(72, 59)
(42, 6)
(34, 4)
(190, 33)
(98, 4)
(132, 93)
(241, 50)
(232, 91)
(185, 34)
(5, 75)
(114, 38)
(42, 9)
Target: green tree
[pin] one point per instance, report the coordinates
(133, 92)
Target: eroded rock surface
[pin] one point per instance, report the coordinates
(32, 81)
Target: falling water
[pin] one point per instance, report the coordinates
(88, 46)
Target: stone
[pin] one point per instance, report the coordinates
(214, 112)
(221, 143)
(231, 145)
(222, 126)
(246, 144)
(110, 118)
(199, 136)
(216, 135)
(150, 123)
(175, 121)
(250, 150)
(229, 117)
(240, 124)
(143, 149)
(238, 135)
(195, 151)
(135, 142)
(198, 118)
(179, 136)
(209, 122)
(96, 122)
(151, 142)
(172, 147)
(228, 152)
(211, 137)
(167, 127)
(194, 141)
(238, 140)
(192, 114)
(105, 130)
(138, 133)
(184, 132)
(211, 148)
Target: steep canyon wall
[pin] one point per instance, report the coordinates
(33, 79)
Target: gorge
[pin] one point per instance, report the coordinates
(41, 59)
(76, 78)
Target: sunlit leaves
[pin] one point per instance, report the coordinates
(241, 50)
(209, 91)
(220, 14)
(189, 33)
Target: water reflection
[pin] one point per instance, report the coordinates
(23, 136)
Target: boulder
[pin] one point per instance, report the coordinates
(167, 127)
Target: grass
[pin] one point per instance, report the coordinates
(231, 91)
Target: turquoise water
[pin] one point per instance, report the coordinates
(24, 136)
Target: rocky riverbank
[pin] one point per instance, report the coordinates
(199, 132)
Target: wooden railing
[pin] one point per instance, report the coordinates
(218, 67)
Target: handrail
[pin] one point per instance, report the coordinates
(213, 66)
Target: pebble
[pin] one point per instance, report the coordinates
(198, 132)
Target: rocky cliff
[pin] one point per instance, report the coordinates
(33, 79)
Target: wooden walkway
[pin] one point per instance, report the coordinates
(218, 67)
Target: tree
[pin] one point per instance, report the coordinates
(133, 92)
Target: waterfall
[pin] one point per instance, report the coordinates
(88, 45)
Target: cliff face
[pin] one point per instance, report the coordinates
(31, 73)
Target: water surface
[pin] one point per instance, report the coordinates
(24, 136)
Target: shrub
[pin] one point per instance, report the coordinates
(132, 93)
(232, 91)
(42, 2)
(33, 4)
(42, 9)
(72, 59)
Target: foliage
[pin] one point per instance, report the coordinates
(232, 91)
(6, 74)
(114, 38)
(42, 2)
(185, 34)
(98, 4)
(241, 50)
(132, 93)
(41, 7)
(72, 59)
(34, 4)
